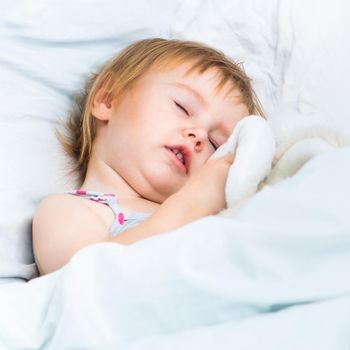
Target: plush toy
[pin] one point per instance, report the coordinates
(253, 144)
(260, 160)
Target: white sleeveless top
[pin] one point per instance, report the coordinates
(123, 220)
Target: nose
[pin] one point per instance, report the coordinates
(198, 136)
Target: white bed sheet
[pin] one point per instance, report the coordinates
(244, 282)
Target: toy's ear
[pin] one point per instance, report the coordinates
(253, 143)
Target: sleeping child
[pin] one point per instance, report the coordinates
(140, 144)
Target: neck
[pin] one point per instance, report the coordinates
(100, 177)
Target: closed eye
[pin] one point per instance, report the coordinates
(181, 108)
(213, 145)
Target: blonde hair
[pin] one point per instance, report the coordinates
(118, 75)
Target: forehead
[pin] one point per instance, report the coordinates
(211, 81)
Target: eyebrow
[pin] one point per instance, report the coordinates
(193, 92)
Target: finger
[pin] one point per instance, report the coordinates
(229, 157)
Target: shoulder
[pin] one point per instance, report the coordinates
(70, 207)
(60, 199)
(62, 225)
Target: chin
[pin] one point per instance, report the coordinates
(157, 183)
(158, 193)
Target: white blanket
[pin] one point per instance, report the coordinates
(249, 282)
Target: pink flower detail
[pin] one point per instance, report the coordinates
(81, 192)
(121, 218)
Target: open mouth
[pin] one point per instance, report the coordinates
(180, 157)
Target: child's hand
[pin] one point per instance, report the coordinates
(204, 192)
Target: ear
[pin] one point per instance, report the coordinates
(102, 106)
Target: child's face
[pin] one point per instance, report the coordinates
(167, 112)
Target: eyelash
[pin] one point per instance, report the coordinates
(213, 144)
(184, 110)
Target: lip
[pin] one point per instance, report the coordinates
(187, 155)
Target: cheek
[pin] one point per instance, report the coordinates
(232, 125)
(198, 162)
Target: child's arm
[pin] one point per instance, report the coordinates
(62, 226)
